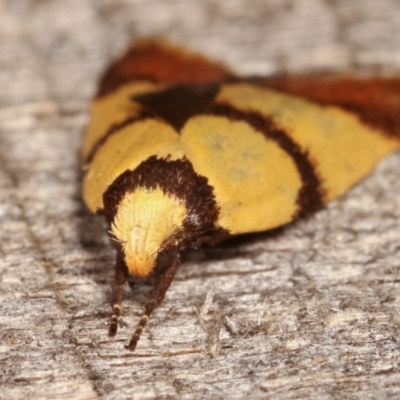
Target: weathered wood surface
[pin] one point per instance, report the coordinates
(312, 312)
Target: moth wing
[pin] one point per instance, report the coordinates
(271, 156)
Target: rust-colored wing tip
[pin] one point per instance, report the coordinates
(376, 100)
(159, 61)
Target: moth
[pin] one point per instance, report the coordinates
(181, 152)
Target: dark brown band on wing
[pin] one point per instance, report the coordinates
(375, 101)
(310, 196)
(159, 62)
(176, 178)
(143, 115)
(177, 104)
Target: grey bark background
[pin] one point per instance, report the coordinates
(310, 312)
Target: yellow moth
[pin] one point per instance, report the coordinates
(180, 152)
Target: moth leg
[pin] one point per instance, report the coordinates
(121, 274)
(156, 297)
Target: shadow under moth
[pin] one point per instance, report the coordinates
(181, 152)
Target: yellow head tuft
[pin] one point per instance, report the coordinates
(145, 220)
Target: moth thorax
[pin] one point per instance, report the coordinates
(145, 220)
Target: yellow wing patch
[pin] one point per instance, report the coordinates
(255, 182)
(343, 149)
(111, 110)
(125, 150)
(145, 220)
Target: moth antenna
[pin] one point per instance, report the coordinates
(156, 297)
(121, 274)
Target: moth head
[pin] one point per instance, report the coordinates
(147, 223)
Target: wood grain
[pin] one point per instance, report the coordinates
(311, 311)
